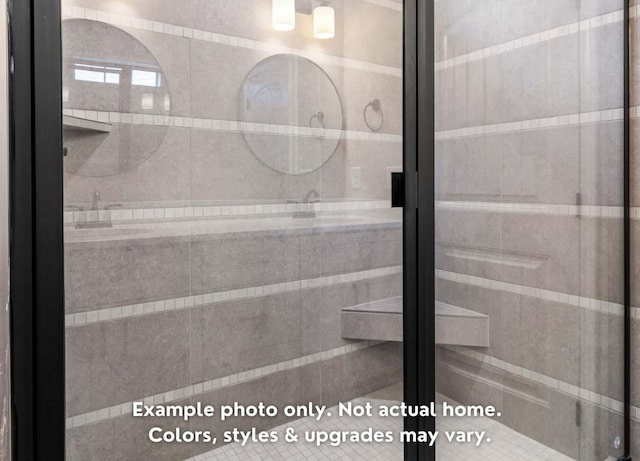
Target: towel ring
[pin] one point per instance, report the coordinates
(376, 105)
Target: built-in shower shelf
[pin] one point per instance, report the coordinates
(382, 321)
(83, 124)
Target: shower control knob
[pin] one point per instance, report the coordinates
(616, 442)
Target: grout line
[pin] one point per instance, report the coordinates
(582, 118)
(131, 22)
(589, 211)
(187, 302)
(539, 37)
(553, 383)
(150, 214)
(597, 305)
(215, 384)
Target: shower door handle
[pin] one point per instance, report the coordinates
(397, 190)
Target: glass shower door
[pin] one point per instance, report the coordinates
(529, 246)
(229, 236)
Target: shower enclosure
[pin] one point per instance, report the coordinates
(227, 223)
(292, 202)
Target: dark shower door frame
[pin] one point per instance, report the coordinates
(37, 245)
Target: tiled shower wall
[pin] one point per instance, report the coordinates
(529, 214)
(251, 313)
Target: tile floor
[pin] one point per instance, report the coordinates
(506, 444)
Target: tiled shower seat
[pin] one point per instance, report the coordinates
(382, 321)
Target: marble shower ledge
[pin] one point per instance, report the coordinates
(224, 227)
(382, 321)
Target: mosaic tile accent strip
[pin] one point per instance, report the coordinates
(188, 212)
(548, 381)
(138, 23)
(540, 37)
(605, 307)
(215, 384)
(187, 302)
(582, 118)
(125, 118)
(586, 211)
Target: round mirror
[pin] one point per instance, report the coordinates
(115, 98)
(292, 114)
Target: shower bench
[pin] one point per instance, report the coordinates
(382, 321)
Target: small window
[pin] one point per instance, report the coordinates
(146, 78)
(97, 74)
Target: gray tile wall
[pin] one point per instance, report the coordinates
(546, 324)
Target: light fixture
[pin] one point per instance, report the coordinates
(284, 15)
(324, 22)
